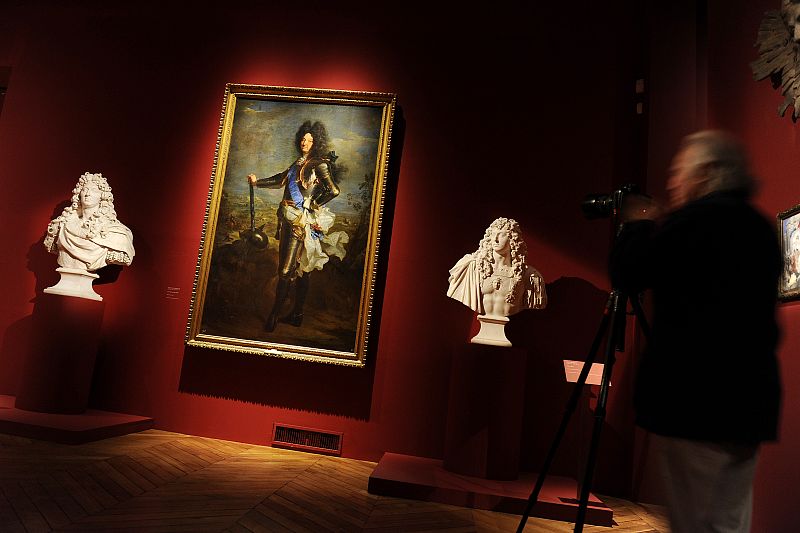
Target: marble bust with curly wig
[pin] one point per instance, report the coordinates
(496, 282)
(87, 236)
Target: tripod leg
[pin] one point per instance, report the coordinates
(572, 403)
(617, 328)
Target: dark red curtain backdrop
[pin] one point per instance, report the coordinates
(516, 113)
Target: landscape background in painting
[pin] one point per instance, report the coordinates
(242, 278)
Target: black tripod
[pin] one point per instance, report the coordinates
(613, 316)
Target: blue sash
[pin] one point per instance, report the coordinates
(297, 198)
(294, 189)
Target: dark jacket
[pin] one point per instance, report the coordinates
(710, 370)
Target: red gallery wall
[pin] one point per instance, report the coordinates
(700, 77)
(516, 114)
(749, 108)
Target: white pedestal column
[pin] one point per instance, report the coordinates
(492, 332)
(75, 282)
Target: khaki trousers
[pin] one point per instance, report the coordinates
(709, 485)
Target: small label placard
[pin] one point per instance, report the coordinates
(572, 369)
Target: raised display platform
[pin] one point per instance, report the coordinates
(421, 478)
(65, 428)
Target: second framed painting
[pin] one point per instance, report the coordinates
(291, 237)
(789, 229)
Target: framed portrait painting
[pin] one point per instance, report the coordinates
(789, 228)
(287, 263)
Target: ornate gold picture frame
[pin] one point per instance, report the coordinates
(287, 263)
(789, 230)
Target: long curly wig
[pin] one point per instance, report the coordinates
(319, 133)
(518, 251)
(98, 221)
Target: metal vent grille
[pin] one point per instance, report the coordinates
(307, 439)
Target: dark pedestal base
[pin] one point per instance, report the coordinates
(57, 374)
(419, 478)
(89, 426)
(484, 412)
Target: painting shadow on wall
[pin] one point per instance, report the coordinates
(277, 382)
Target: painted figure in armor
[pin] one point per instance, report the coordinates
(303, 221)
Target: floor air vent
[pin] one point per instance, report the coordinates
(307, 439)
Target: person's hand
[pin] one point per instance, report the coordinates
(639, 207)
(251, 178)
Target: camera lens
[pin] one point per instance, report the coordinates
(603, 205)
(597, 206)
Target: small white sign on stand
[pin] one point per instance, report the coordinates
(572, 369)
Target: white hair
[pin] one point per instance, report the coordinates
(724, 159)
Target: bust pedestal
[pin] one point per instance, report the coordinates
(493, 331)
(484, 416)
(57, 374)
(75, 282)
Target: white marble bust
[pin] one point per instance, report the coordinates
(496, 282)
(86, 237)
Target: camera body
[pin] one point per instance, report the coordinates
(606, 205)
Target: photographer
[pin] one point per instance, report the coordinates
(708, 384)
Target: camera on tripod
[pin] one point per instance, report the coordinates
(612, 330)
(606, 205)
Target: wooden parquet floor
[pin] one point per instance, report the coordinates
(156, 481)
